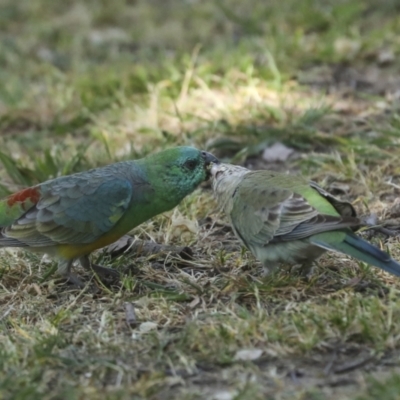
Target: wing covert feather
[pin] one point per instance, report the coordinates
(262, 213)
(72, 211)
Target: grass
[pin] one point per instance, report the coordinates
(89, 83)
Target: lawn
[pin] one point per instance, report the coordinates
(87, 83)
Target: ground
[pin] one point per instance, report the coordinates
(87, 83)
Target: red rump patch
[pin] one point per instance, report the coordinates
(31, 194)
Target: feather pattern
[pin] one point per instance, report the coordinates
(282, 218)
(71, 216)
(74, 209)
(264, 213)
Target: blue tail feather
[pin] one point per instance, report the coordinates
(357, 247)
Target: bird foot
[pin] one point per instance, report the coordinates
(73, 282)
(306, 271)
(269, 270)
(105, 272)
(384, 231)
(107, 275)
(373, 227)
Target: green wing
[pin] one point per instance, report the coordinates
(70, 210)
(263, 212)
(344, 208)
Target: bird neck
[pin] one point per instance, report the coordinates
(224, 190)
(167, 188)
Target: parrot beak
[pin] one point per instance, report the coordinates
(208, 160)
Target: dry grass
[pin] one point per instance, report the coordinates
(87, 83)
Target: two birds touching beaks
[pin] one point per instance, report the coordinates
(281, 219)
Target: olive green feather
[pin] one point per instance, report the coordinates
(286, 219)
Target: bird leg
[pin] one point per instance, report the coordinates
(64, 269)
(384, 231)
(373, 226)
(269, 268)
(103, 272)
(305, 270)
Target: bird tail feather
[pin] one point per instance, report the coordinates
(356, 247)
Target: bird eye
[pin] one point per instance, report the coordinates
(190, 164)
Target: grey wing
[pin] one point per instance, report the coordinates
(262, 215)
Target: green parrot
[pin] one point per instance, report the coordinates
(286, 219)
(71, 216)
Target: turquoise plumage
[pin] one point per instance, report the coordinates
(69, 217)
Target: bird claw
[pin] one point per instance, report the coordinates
(105, 272)
(308, 273)
(305, 271)
(269, 270)
(107, 276)
(384, 231)
(74, 282)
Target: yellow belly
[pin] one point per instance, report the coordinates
(70, 251)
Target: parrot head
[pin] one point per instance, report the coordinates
(179, 170)
(192, 164)
(226, 177)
